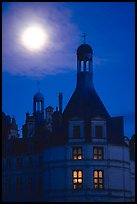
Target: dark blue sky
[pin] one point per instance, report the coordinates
(111, 33)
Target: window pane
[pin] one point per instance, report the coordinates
(79, 174)
(74, 157)
(74, 174)
(79, 180)
(95, 174)
(95, 150)
(100, 157)
(74, 186)
(95, 156)
(79, 186)
(99, 131)
(75, 180)
(96, 186)
(76, 131)
(95, 180)
(100, 186)
(79, 150)
(74, 150)
(100, 180)
(98, 153)
(77, 153)
(79, 157)
(100, 174)
(100, 150)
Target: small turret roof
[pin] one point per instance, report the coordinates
(39, 96)
(84, 49)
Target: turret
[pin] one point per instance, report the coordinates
(85, 102)
(38, 108)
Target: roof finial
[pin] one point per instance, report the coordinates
(84, 36)
(38, 85)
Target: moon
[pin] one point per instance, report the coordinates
(34, 38)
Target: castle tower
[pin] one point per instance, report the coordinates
(85, 102)
(38, 108)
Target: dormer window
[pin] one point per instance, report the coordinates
(98, 127)
(99, 131)
(76, 131)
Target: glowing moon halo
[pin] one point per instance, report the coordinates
(34, 38)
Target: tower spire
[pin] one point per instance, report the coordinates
(84, 36)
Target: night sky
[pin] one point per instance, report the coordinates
(110, 28)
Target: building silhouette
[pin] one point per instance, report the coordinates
(79, 154)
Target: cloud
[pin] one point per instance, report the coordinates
(60, 53)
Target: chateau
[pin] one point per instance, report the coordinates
(79, 154)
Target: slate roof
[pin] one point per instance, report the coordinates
(85, 102)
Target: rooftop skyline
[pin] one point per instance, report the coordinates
(110, 30)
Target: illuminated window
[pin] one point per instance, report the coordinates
(19, 163)
(77, 153)
(98, 153)
(98, 179)
(18, 185)
(76, 131)
(98, 131)
(77, 179)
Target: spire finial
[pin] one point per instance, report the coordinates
(38, 85)
(84, 36)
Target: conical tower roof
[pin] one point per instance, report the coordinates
(85, 102)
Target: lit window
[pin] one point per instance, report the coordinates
(98, 153)
(77, 179)
(76, 131)
(75, 175)
(77, 153)
(98, 131)
(98, 179)
(19, 163)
